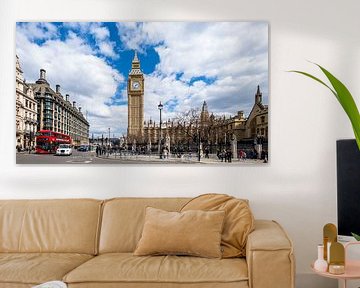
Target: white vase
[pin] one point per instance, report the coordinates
(320, 264)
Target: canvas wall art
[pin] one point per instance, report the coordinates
(142, 93)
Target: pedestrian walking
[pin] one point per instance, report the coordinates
(165, 152)
(223, 155)
(229, 155)
(207, 152)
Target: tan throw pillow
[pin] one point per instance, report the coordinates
(196, 233)
(239, 220)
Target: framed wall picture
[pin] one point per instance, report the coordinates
(142, 93)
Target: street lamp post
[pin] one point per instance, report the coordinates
(199, 145)
(109, 137)
(160, 107)
(109, 143)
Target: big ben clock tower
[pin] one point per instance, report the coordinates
(135, 91)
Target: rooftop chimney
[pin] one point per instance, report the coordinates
(42, 74)
(58, 89)
(74, 104)
(241, 114)
(67, 97)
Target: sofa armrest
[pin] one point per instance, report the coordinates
(269, 256)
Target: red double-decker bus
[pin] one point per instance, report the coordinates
(48, 141)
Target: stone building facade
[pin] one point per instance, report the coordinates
(55, 112)
(214, 131)
(253, 127)
(26, 111)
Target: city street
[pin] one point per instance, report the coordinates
(90, 158)
(75, 158)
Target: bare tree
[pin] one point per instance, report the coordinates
(196, 129)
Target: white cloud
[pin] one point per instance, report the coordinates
(234, 54)
(132, 35)
(73, 64)
(107, 49)
(37, 30)
(100, 33)
(117, 122)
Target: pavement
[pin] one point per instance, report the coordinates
(185, 159)
(82, 158)
(75, 158)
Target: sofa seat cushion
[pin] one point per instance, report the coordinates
(127, 268)
(36, 268)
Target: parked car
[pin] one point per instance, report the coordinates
(64, 149)
(83, 148)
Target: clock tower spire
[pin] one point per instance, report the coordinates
(135, 91)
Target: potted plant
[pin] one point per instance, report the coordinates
(345, 99)
(357, 237)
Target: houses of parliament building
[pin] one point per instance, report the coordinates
(198, 125)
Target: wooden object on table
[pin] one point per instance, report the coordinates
(352, 268)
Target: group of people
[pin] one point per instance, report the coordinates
(224, 155)
(29, 149)
(102, 150)
(253, 155)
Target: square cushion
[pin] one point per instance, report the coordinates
(193, 232)
(158, 271)
(123, 220)
(36, 268)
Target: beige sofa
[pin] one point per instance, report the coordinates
(89, 243)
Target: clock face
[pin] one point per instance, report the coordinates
(135, 85)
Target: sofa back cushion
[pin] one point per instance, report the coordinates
(123, 220)
(66, 226)
(238, 224)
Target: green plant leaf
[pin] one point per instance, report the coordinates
(357, 237)
(316, 79)
(346, 100)
(344, 97)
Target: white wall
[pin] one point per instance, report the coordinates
(298, 187)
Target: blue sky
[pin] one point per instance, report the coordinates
(184, 64)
